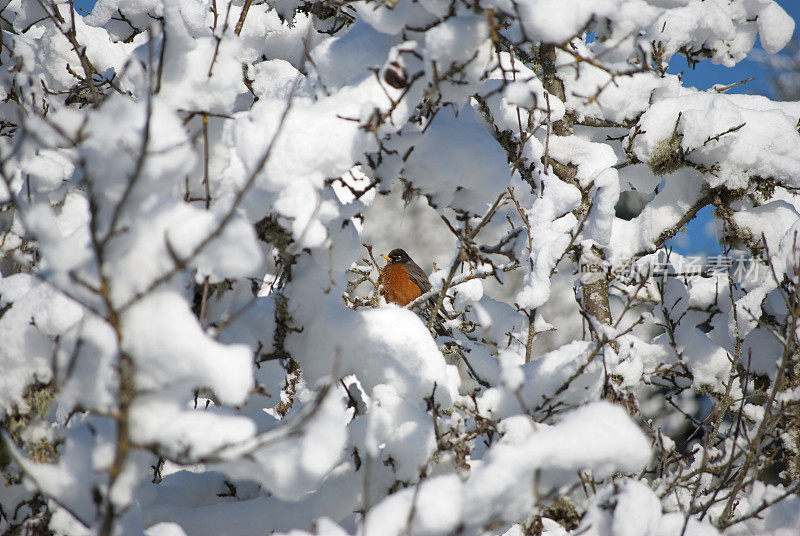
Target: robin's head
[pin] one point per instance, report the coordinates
(397, 256)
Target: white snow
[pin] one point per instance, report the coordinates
(191, 330)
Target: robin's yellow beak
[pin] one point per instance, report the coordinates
(386, 257)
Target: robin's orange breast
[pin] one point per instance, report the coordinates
(397, 286)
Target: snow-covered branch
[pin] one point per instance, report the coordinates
(194, 338)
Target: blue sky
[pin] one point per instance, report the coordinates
(84, 5)
(696, 238)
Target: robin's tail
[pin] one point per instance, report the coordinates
(438, 324)
(455, 354)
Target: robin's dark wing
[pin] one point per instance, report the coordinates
(417, 276)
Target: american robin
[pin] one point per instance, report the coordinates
(403, 281)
